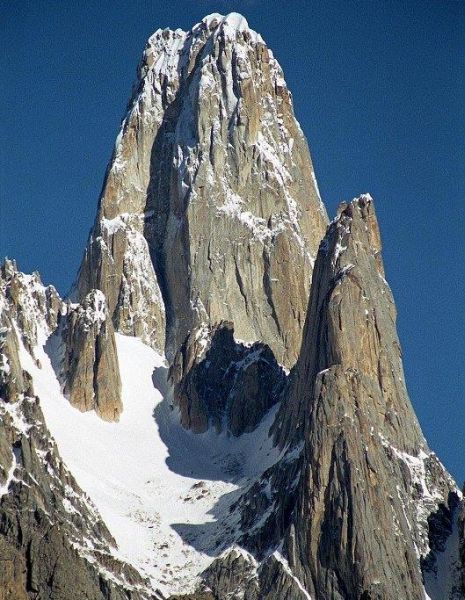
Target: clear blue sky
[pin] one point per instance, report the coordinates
(379, 89)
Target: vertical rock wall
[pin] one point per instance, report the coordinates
(212, 171)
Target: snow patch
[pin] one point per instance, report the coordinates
(10, 476)
(231, 25)
(164, 492)
(287, 569)
(234, 207)
(13, 409)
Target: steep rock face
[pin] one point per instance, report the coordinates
(236, 575)
(232, 192)
(357, 506)
(370, 483)
(461, 553)
(233, 575)
(443, 567)
(90, 364)
(53, 543)
(213, 171)
(118, 263)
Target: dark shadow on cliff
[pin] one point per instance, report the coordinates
(213, 537)
(210, 455)
(254, 515)
(200, 456)
(231, 474)
(55, 349)
(167, 228)
(228, 394)
(442, 524)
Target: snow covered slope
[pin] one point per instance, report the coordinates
(163, 492)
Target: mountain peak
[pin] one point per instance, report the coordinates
(168, 51)
(209, 149)
(232, 23)
(233, 19)
(214, 299)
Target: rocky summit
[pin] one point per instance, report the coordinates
(218, 410)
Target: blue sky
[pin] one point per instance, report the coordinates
(379, 89)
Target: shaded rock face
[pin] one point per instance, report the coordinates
(90, 363)
(237, 575)
(223, 383)
(53, 543)
(233, 575)
(370, 482)
(211, 170)
(461, 536)
(441, 524)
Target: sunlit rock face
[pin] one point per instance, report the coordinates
(212, 183)
(253, 436)
(90, 369)
(370, 487)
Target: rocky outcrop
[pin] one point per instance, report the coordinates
(233, 575)
(460, 523)
(225, 384)
(53, 543)
(35, 308)
(211, 170)
(117, 262)
(357, 506)
(237, 575)
(90, 364)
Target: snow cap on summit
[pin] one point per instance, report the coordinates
(232, 23)
(234, 20)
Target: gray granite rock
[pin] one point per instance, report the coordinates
(212, 174)
(90, 367)
(225, 384)
(370, 482)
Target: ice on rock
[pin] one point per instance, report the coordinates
(231, 25)
(287, 569)
(10, 476)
